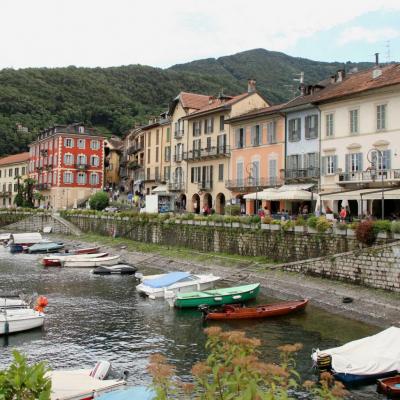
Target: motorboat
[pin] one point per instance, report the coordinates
(84, 384)
(365, 360)
(389, 386)
(13, 301)
(238, 311)
(45, 247)
(4, 238)
(55, 261)
(20, 241)
(172, 283)
(122, 269)
(90, 262)
(14, 320)
(133, 393)
(217, 297)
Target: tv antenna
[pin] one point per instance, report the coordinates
(300, 77)
(292, 89)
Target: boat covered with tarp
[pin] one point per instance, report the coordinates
(45, 247)
(21, 241)
(365, 360)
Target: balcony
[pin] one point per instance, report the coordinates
(158, 178)
(388, 177)
(5, 194)
(123, 160)
(175, 186)
(135, 148)
(43, 186)
(205, 185)
(208, 152)
(299, 175)
(248, 184)
(178, 157)
(179, 134)
(134, 165)
(81, 166)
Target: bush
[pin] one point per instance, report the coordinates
(396, 227)
(267, 220)
(232, 210)
(99, 201)
(365, 233)
(382, 225)
(287, 225)
(341, 227)
(312, 222)
(255, 219)
(322, 224)
(300, 221)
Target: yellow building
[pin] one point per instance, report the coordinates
(12, 169)
(112, 153)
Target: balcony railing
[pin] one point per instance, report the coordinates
(123, 160)
(43, 186)
(5, 194)
(208, 152)
(369, 176)
(175, 186)
(301, 174)
(205, 185)
(252, 183)
(179, 134)
(135, 148)
(81, 166)
(178, 157)
(155, 178)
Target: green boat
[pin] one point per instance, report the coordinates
(217, 297)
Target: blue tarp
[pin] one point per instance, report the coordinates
(138, 393)
(166, 280)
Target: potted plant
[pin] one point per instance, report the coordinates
(299, 224)
(266, 222)
(275, 225)
(396, 230)
(245, 222)
(382, 228)
(323, 225)
(287, 226)
(312, 224)
(235, 221)
(340, 228)
(255, 221)
(351, 229)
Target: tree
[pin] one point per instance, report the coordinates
(29, 184)
(19, 198)
(99, 201)
(38, 197)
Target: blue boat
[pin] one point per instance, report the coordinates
(136, 393)
(16, 248)
(45, 247)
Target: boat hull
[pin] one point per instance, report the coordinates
(359, 380)
(20, 323)
(264, 311)
(216, 299)
(160, 292)
(121, 269)
(91, 262)
(389, 386)
(56, 261)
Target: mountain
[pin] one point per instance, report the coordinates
(113, 99)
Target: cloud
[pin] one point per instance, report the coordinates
(359, 33)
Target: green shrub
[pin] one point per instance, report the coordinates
(382, 225)
(396, 226)
(217, 218)
(188, 216)
(255, 219)
(245, 220)
(312, 221)
(322, 224)
(267, 220)
(353, 225)
(300, 221)
(365, 233)
(276, 222)
(99, 201)
(341, 227)
(232, 210)
(287, 225)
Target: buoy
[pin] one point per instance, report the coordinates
(41, 303)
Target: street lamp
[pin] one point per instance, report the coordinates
(250, 170)
(374, 171)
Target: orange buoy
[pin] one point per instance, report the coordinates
(41, 303)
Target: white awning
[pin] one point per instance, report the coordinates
(266, 194)
(160, 189)
(365, 194)
(300, 186)
(285, 192)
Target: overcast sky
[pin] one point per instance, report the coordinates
(161, 33)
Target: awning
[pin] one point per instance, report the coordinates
(137, 182)
(285, 192)
(294, 195)
(300, 186)
(365, 194)
(160, 189)
(263, 195)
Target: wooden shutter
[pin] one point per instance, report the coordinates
(253, 135)
(307, 127)
(360, 161)
(212, 124)
(192, 174)
(316, 127)
(324, 165)
(335, 164)
(237, 137)
(211, 174)
(347, 166)
(387, 159)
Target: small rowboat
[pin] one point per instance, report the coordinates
(90, 262)
(86, 250)
(56, 261)
(45, 247)
(235, 311)
(389, 386)
(121, 269)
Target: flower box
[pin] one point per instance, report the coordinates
(185, 222)
(340, 231)
(382, 235)
(198, 222)
(275, 227)
(218, 224)
(396, 236)
(265, 226)
(203, 223)
(299, 228)
(311, 230)
(235, 224)
(211, 223)
(245, 226)
(190, 222)
(351, 232)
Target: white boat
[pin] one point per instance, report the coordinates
(119, 269)
(83, 384)
(19, 319)
(5, 237)
(168, 285)
(91, 262)
(56, 260)
(13, 302)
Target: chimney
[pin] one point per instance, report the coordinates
(333, 78)
(302, 88)
(251, 86)
(377, 71)
(376, 59)
(340, 74)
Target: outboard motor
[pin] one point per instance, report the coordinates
(204, 310)
(101, 370)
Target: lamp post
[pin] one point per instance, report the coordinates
(250, 169)
(374, 171)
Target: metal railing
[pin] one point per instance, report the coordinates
(178, 157)
(5, 194)
(43, 186)
(175, 186)
(369, 176)
(81, 166)
(298, 174)
(134, 148)
(247, 183)
(208, 152)
(179, 134)
(205, 185)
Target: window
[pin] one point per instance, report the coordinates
(381, 160)
(81, 143)
(294, 130)
(311, 160)
(209, 125)
(10, 172)
(353, 121)
(23, 171)
(148, 173)
(94, 144)
(353, 162)
(157, 137)
(167, 173)
(255, 135)
(55, 159)
(81, 178)
(196, 147)
(294, 162)
(221, 123)
(94, 179)
(254, 175)
(221, 144)
(311, 126)
(0, 173)
(68, 142)
(148, 155)
(167, 153)
(50, 145)
(168, 134)
(240, 138)
(68, 159)
(195, 174)
(329, 125)
(157, 173)
(94, 161)
(271, 132)
(10, 187)
(81, 159)
(49, 176)
(329, 165)
(381, 117)
(15, 187)
(221, 172)
(239, 172)
(208, 144)
(149, 139)
(54, 177)
(273, 171)
(196, 128)
(16, 171)
(156, 154)
(68, 177)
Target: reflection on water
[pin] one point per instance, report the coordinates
(90, 318)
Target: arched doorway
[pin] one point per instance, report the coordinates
(207, 200)
(196, 203)
(242, 203)
(220, 203)
(182, 201)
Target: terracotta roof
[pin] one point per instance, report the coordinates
(260, 112)
(15, 158)
(193, 100)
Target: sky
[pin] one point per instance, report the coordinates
(91, 33)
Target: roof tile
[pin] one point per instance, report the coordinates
(15, 158)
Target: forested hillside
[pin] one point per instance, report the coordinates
(112, 99)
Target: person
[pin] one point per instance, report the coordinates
(261, 213)
(349, 218)
(267, 211)
(343, 215)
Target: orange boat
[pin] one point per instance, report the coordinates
(237, 311)
(390, 387)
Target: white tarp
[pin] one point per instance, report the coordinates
(368, 356)
(23, 238)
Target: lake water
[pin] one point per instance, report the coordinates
(91, 318)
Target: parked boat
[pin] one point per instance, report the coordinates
(90, 262)
(389, 386)
(45, 247)
(14, 320)
(85, 250)
(122, 269)
(20, 241)
(172, 283)
(217, 297)
(365, 360)
(136, 393)
(13, 301)
(238, 311)
(55, 261)
(83, 384)
(4, 238)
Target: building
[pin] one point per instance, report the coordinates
(257, 155)
(13, 170)
(67, 162)
(360, 141)
(112, 154)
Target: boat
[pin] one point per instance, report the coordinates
(90, 262)
(238, 311)
(13, 301)
(45, 247)
(55, 261)
(135, 393)
(122, 269)
(172, 283)
(14, 320)
(4, 238)
(83, 384)
(85, 250)
(217, 297)
(365, 360)
(389, 386)
(20, 241)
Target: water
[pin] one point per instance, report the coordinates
(90, 318)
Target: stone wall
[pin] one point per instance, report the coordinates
(377, 267)
(276, 245)
(7, 218)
